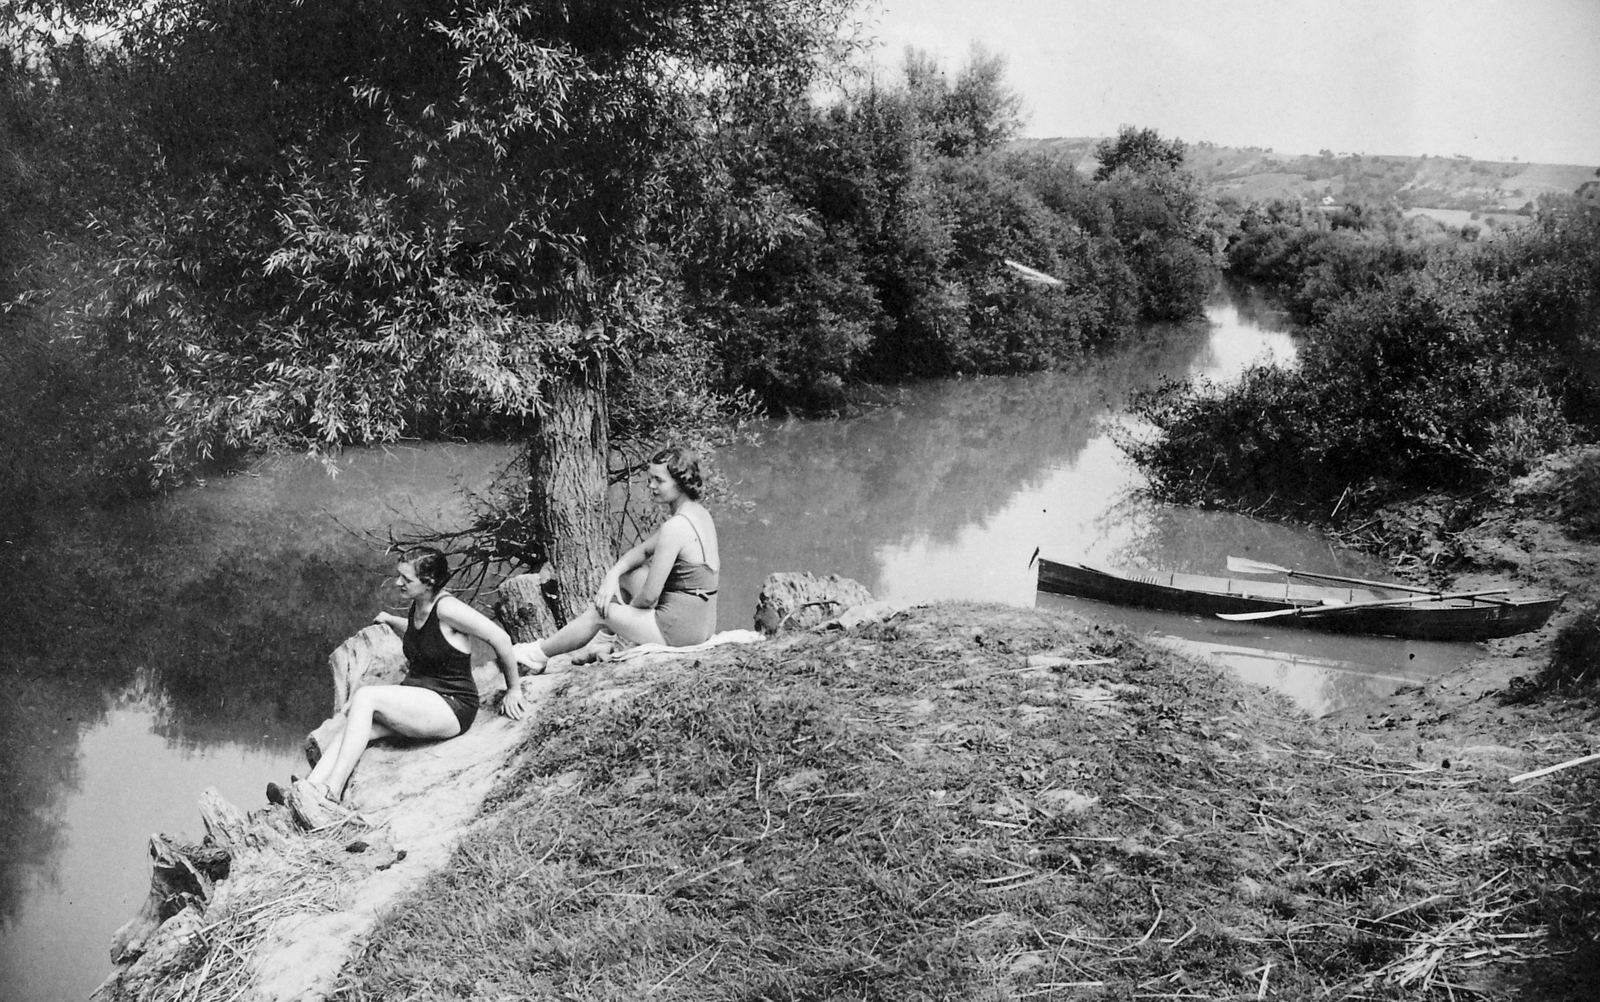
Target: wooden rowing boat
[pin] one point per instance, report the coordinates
(1398, 611)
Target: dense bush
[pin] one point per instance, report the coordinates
(1429, 366)
(1310, 260)
(906, 208)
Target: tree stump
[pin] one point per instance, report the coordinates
(182, 876)
(523, 610)
(230, 828)
(791, 602)
(372, 657)
(179, 947)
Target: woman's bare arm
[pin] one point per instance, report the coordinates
(396, 623)
(637, 556)
(669, 541)
(465, 619)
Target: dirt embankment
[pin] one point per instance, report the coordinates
(1531, 701)
(968, 802)
(1543, 536)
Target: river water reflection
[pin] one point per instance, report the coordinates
(170, 647)
(945, 493)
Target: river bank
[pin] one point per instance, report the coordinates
(978, 801)
(940, 493)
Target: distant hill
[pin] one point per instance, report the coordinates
(1251, 174)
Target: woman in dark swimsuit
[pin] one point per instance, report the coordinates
(439, 698)
(663, 591)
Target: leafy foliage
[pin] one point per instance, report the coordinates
(905, 207)
(1311, 260)
(307, 225)
(77, 422)
(369, 219)
(1139, 151)
(1430, 366)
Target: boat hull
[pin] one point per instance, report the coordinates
(1455, 619)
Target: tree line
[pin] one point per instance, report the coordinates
(232, 227)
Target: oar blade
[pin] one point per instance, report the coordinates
(1239, 565)
(1245, 617)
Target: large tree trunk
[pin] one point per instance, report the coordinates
(567, 487)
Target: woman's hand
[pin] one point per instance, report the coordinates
(388, 619)
(609, 593)
(512, 704)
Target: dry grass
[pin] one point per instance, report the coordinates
(303, 875)
(913, 811)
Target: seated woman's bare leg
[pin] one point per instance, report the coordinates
(378, 711)
(329, 751)
(574, 635)
(631, 624)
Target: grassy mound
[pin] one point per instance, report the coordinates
(952, 805)
(1577, 495)
(1575, 652)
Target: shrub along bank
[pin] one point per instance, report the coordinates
(1426, 367)
(954, 804)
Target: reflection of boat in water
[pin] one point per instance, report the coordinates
(1397, 611)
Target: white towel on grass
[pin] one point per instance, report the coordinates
(525, 656)
(717, 640)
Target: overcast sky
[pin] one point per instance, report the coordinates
(1491, 79)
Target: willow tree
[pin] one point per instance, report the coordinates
(352, 221)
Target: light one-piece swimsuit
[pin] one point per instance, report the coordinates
(686, 612)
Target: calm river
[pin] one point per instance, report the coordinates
(165, 648)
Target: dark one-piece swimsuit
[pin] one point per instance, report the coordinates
(439, 667)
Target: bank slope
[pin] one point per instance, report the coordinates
(953, 804)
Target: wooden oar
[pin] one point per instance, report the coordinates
(1547, 770)
(1323, 610)
(1239, 565)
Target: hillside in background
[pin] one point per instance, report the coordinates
(1453, 184)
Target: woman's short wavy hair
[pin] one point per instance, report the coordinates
(431, 566)
(683, 463)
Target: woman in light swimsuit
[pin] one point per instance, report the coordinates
(438, 698)
(663, 591)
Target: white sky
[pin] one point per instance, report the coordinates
(1491, 79)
